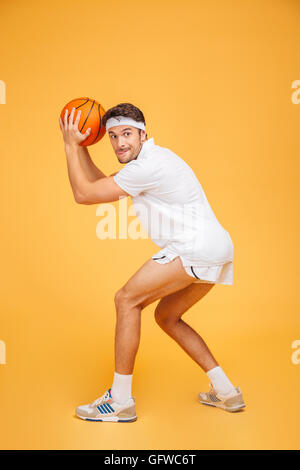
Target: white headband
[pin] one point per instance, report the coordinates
(121, 120)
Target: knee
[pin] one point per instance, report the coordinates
(162, 318)
(123, 299)
(120, 297)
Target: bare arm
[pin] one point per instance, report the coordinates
(83, 173)
(77, 177)
(90, 192)
(91, 170)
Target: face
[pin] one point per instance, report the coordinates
(127, 142)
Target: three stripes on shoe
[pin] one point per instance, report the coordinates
(105, 408)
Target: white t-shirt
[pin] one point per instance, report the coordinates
(173, 209)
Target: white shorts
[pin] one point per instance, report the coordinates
(220, 274)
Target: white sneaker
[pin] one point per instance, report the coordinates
(233, 402)
(105, 409)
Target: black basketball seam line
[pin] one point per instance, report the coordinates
(87, 115)
(194, 273)
(99, 125)
(100, 117)
(79, 106)
(83, 103)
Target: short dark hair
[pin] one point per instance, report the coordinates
(126, 110)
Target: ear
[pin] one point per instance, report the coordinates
(143, 135)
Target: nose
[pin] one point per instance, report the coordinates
(121, 143)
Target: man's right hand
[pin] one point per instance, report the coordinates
(72, 136)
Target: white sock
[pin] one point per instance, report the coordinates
(220, 382)
(121, 388)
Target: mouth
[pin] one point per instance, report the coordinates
(121, 152)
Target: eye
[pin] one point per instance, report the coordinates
(127, 133)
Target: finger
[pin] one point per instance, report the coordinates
(61, 124)
(66, 118)
(71, 118)
(77, 119)
(87, 133)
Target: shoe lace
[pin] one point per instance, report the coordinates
(212, 390)
(101, 399)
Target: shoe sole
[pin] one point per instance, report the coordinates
(112, 419)
(223, 407)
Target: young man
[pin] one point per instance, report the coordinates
(196, 252)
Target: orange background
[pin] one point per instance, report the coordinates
(214, 81)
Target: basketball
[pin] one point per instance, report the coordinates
(91, 116)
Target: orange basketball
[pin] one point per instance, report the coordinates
(91, 116)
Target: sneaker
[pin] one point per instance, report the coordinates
(230, 403)
(105, 409)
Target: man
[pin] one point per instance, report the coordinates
(196, 253)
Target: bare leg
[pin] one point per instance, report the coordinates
(178, 292)
(191, 342)
(151, 282)
(127, 337)
(168, 313)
